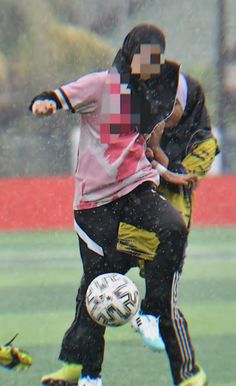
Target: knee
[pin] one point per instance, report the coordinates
(176, 241)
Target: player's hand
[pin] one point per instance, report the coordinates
(44, 107)
(149, 153)
(14, 358)
(187, 180)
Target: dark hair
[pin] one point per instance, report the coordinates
(142, 34)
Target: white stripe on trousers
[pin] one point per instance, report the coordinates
(180, 331)
(90, 243)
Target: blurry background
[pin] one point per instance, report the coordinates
(46, 43)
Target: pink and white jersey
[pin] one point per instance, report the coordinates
(111, 159)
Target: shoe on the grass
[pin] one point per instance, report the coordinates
(87, 381)
(148, 328)
(68, 374)
(198, 379)
(14, 358)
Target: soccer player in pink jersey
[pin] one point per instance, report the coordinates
(118, 214)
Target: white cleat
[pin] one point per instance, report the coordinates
(87, 381)
(148, 328)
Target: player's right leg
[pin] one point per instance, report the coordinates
(82, 346)
(83, 343)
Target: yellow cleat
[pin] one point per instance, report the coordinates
(198, 379)
(14, 358)
(68, 374)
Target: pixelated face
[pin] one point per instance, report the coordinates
(116, 117)
(148, 62)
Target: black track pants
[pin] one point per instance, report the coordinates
(144, 208)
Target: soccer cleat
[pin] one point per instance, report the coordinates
(198, 379)
(67, 375)
(12, 357)
(148, 328)
(87, 381)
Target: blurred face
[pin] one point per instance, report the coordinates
(148, 62)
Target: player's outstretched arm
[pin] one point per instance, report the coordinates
(14, 358)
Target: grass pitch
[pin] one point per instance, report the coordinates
(39, 275)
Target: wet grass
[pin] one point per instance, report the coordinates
(39, 275)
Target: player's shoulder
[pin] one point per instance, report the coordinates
(98, 77)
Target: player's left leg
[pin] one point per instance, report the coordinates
(159, 225)
(162, 278)
(198, 379)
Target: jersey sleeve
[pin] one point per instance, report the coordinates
(201, 157)
(81, 96)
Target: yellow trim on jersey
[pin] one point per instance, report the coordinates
(201, 157)
(137, 242)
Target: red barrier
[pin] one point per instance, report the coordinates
(36, 203)
(215, 201)
(46, 203)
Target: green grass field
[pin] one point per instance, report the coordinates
(39, 275)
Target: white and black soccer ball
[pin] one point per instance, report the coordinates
(112, 299)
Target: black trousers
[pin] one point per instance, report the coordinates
(143, 208)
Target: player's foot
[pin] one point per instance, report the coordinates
(199, 379)
(67, 375)
(87, 381)
(148, 328)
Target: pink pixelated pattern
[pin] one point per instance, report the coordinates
(116, 117)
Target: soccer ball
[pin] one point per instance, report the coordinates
(112, 299)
